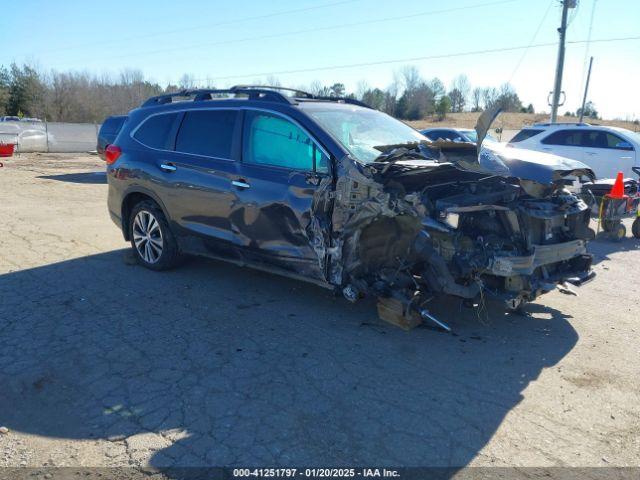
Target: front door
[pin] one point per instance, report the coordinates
(608, 154)
(283, 188)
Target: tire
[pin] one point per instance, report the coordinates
(154, 245)
(635, 227)
(618, 233)
(610, 225)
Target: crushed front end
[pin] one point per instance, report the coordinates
(417, 223)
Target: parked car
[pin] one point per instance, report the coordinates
(606, 150)
(9, 118)
(109, 131)
(333, 192)
(455, 135)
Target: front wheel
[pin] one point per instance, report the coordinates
(152, 241)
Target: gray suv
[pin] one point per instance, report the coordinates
(330, 191)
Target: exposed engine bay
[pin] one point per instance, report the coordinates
(447, 218)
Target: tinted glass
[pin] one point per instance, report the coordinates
(446, 135)
(525, 134)
(616, 142)
(207, 132)
(571, 138)
(155, 131)
(273, 140)
(112, 125)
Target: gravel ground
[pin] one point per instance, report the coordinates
(104, 363)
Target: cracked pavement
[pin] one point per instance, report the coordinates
(104, 363)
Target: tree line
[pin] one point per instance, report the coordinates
(84, 97)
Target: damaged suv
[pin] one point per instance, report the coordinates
(333, 192)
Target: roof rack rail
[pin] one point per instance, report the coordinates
(351, 101)
(210, 93)
(550, 124)
(274, 88)
(253, 92)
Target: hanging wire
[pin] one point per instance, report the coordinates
(586, 49)
(533, 39)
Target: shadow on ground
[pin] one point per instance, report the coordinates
(603, 247)
(233, 366)
(85, 177)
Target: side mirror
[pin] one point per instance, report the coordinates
(624, 146)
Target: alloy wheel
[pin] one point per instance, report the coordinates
(147, 236)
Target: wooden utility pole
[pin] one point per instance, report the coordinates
(557, 86)
(586, 89)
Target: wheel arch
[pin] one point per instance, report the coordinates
(131, 199)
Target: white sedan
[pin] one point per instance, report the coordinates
(607, 150)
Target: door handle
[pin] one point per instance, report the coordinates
(240, 183)
(168, 167)
(590, 153)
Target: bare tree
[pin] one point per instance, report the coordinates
(489, 97)
(187, 82)
(476, 99)
(459, 93)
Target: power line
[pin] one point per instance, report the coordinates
(200, 27)
(533, 39)
(586, 50)
(414, 59)
(306, 30)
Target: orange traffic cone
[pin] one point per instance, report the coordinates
(618, 188)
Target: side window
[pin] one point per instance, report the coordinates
(207, 132)
(618, 143)
(154, 132)
(525, 134)
(570, 138)
(273, 140)
(594, 139)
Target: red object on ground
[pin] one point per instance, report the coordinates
(617, 191)
(6, 149)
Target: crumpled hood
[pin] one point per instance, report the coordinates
(539, 167)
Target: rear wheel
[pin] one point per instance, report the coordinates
(618, 233)
(152, 241)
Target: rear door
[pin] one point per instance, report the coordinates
(196, 171)
(566, 143)
(280, 214)
(608, 153)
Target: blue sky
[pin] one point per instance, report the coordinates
(224, 42)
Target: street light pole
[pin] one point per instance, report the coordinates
(557, 86)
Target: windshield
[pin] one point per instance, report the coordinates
(359, 130)
(473, 136)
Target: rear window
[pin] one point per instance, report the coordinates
(207, 132)
(525, 134)
(154, 132)
(112, 125)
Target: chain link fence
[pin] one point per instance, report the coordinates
(50, 136)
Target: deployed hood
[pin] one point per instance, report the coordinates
(524, 164)
(497, 159)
